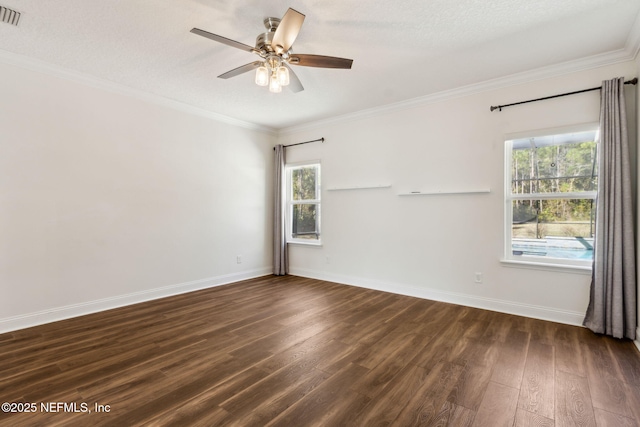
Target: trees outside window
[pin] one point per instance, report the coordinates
(303, 203)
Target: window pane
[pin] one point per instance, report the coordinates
(305, 221)
(303, 181)
(563, 168)
(561, 228)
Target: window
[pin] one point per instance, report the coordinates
(551, 184)
(303, 203)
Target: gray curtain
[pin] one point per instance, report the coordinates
(280, 252)
(612, 307)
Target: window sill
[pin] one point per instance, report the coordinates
(563, 268)
(303, 243)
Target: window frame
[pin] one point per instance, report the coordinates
(289, 204)
(533, 261)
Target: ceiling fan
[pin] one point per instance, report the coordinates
(274, 50)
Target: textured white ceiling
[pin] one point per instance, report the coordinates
(401, 49)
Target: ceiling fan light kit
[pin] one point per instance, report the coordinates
(272, 74)
(274, 49)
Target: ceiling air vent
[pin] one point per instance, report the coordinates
(9, 16)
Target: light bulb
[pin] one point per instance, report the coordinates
(274, 85)
(283, 75)
(262, 76)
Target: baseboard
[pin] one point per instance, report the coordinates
(66, 312)
(510, 307)
(637, 341)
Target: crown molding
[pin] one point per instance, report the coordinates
(632, 45)
(583, 64)
(628, 53)
(37, 65)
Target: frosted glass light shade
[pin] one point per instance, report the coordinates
(262, 76)
(283, 75)
(274, 85)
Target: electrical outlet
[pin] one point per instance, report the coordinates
(238, 259)
(328, 260)
(478, 278)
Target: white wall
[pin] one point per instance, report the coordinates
(431, 246)
(107, 200)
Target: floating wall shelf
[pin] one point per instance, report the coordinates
(442, 192)
(359, 187)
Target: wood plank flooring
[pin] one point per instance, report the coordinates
(288, 351)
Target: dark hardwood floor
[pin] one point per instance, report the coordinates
(300, 352)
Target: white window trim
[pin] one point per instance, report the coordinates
(535, 265)
(290, 202)
(532, 261)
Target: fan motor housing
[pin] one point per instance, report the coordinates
(263, 41)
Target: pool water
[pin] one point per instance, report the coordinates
(553, 252)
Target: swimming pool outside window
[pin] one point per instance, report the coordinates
(551, 188)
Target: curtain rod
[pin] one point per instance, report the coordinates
(300, 143)
(500, 107)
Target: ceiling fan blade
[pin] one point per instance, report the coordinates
(240, 70)
(320, 61)
(223, 40)
(294, 81)
(287, 30)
